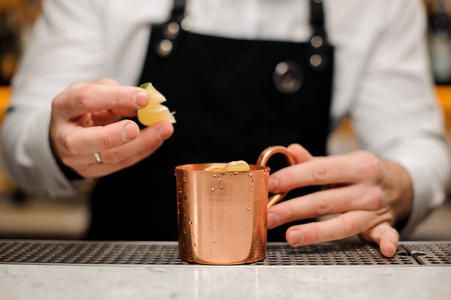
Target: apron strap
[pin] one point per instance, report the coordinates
(178, 10)
(318, 40)
(317, 14)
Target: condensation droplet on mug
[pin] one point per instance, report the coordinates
(221, 187)
(190, 222)
(214, 241)
(251, 175)
(185, 179)
(248, 209)
(212, 190)
(235, 173)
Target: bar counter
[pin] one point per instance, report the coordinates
(152, 270)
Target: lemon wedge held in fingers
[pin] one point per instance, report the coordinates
(154, 112)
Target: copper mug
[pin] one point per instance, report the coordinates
(222, 215)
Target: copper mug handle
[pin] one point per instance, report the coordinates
(263, 160)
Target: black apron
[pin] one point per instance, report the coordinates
(233, 98)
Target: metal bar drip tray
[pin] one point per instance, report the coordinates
(166, 253)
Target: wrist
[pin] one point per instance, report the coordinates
(401, 184)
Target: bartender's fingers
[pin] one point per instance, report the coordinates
(149, 140)
(340, 227)
(300, 153)
(105, 117)
(327, 202)
(337, 169)
(93, 97)
(99, 138)
(385, 236)
(100, 117)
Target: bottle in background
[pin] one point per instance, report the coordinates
(16, 20)
(439, 35)
(9, 45)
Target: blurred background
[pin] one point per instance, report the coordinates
(23, 216)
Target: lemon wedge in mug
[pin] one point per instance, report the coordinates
(213, 168)
(236, 166)
(233, 166)
(154, 112)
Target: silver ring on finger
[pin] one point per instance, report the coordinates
(97, 158)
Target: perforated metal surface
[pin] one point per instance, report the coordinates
(430, 254)
(331, 254)
(151, 253)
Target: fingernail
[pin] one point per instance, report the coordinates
(388, 250)
(273, 183)
(272, 220)
(394, 249)
(164, 132)
(141, 99)
(294, 237)
(130, 131)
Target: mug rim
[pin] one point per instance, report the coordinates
(199, 167)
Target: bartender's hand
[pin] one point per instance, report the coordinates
(365, 195)
(86, 119)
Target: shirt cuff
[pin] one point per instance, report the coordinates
(428, 180)
(53, 180)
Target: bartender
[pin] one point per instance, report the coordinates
(241, 76)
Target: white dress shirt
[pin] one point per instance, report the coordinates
(381, 76)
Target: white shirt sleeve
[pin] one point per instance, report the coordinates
(395, 112)
(63, 50)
